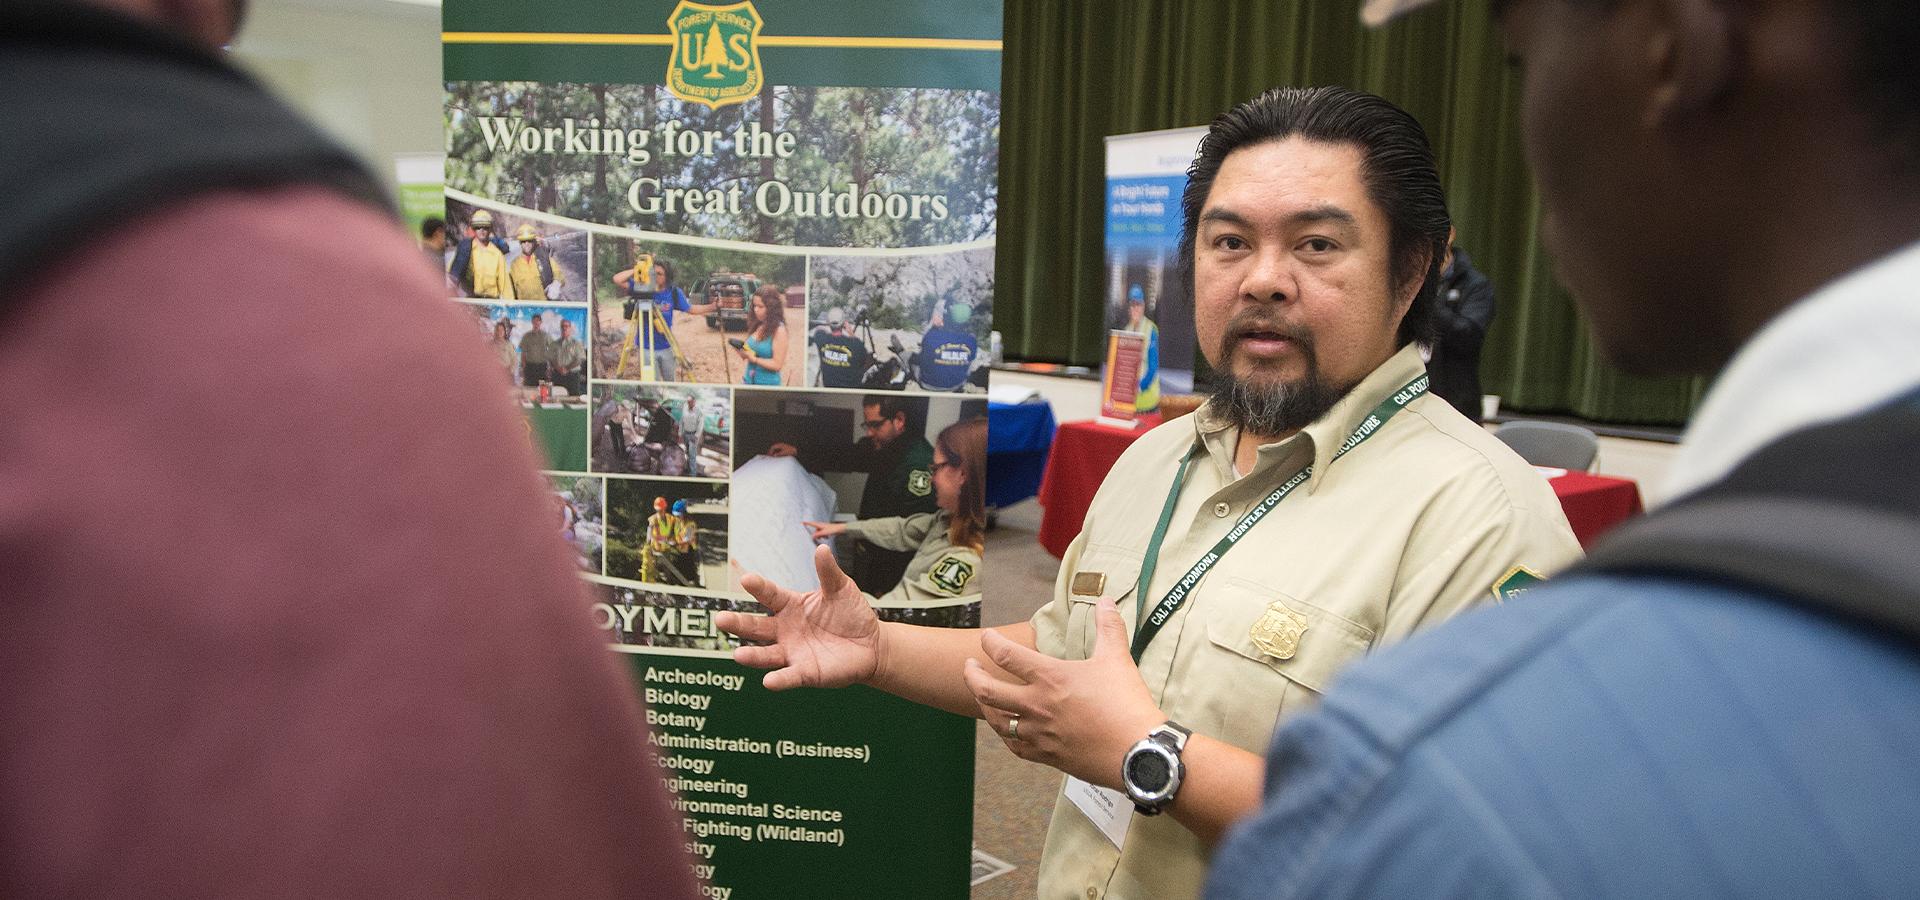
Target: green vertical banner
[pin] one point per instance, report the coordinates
(700, 239)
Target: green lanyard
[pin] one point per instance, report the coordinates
(1148, 626)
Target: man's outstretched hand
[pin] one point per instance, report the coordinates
(825, 638)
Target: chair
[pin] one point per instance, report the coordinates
(1552, 444)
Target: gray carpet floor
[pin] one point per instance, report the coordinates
(1012, 798)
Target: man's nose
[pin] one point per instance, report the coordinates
(1271, 277)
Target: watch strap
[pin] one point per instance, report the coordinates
(1175, 733)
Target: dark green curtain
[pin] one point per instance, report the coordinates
(1076, 71)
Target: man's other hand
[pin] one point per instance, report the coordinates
(1078, 716)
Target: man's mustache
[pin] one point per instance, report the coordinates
(1252, 322)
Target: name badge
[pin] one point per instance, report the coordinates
(1089, 584)
(1108, 810)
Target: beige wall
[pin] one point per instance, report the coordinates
(368, 71)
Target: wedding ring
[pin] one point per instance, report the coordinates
(1013, 728)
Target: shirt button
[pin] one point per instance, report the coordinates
(1093, 893)
(1220, 510)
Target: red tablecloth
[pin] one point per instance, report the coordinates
(1595, 503)
(1082, 454)
(1084, 451)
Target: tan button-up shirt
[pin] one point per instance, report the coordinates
(1420, 521)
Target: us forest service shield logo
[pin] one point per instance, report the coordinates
(919, 482)
(951, 574)
(716, 53)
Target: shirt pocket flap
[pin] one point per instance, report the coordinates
(1322, 643)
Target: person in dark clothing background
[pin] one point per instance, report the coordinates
(1463, 310)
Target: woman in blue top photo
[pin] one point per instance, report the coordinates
(765, 349)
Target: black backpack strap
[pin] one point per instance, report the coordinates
(1856, 563)
(111, 118)
(1827, 518)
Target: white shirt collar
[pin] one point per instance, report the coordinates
(1844, 349)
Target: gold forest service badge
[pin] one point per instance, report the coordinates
(716, 53)
(1277, 634)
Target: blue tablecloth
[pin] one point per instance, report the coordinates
(1018, 437)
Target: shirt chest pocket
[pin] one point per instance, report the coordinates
(1274, 654)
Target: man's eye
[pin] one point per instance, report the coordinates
(1229, 242)
(1318, 245)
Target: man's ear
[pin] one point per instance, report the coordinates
(1695, 55)
(1407, 292)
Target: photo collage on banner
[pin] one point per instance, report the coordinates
(736, 262)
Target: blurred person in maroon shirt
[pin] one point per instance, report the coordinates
(284, 609)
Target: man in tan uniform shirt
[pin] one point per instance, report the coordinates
(1312, 281)
(1429, 515)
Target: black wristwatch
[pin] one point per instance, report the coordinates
(1152, 770)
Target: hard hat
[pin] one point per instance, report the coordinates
(483, 219)
(836, 317)
(526, 234)
(659, 504)
(961, 313)
(1135, 295)
(679, 507)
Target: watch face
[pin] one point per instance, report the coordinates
(1148, 771)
